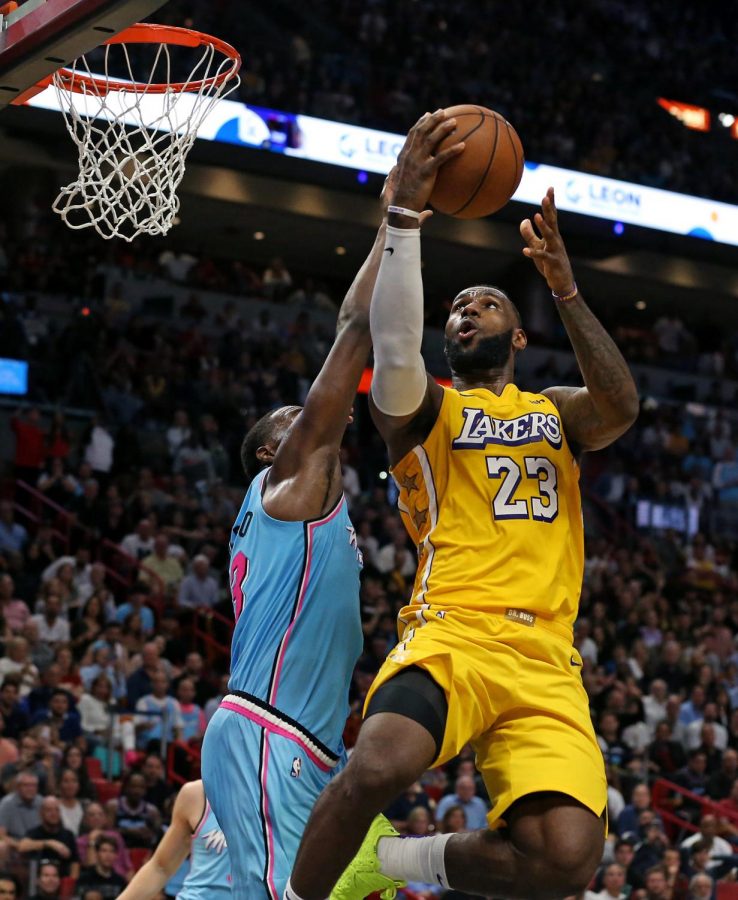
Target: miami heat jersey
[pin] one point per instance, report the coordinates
(295, 591)
(491, 499)
(209, 877)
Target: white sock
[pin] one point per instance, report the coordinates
(289, 893)
(414, 859)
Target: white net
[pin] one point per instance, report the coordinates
(132, 138)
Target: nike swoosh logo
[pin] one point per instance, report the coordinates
(573, 662)
(440, 880)
(389, 250)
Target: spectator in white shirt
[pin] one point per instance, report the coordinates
(17, 661)
(139, 543)
(395, 556)
(719, 847)
(199, 588)
(179, 431)
(351, 484)
(694, 736)
(98, 452)
(654, 703)
(52, 626)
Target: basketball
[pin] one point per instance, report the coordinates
(484, 177)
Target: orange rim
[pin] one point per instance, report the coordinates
(152, 34)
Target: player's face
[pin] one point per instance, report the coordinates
(482, 331)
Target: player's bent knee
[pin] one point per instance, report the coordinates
(572, 857)
(371, 783)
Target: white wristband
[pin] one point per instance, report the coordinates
(401, 211)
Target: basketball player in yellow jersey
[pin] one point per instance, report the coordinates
(488, 479)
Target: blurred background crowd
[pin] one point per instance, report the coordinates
(581, 85)
(120, 475)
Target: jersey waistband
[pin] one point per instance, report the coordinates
(275, 720)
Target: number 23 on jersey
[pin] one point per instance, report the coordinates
(544, 507)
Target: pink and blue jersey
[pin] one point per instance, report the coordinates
(295, 590)
(276, 740)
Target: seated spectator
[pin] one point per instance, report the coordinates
(695, 736)
(163, 565)
(57, 484)
(178, 431)
(654, 703)
(16, 718)
(656, 884)
(692, 710)
(193, 718)
(615, 751)
(419, 822)
(10, 888)
(159, 716)
(71, 807)
(158, 790)
(199, 588)
(396, 557)
(73, 758)
(650, 851)
(701, 887)
(40, 653)
(20, 810)
(96, 585)
(103, 665)
(410, 799)
(90, 625)
(697, 858)
(629, 819)
(475, 809)
(96, 824)
(718, 847)
(14, 611)
(693, 777)
(94, 708)
(51, 840)
(139, 682)
(61, 718)
(17, 661)
(101, 876)
(665, 754)
(48, 880)
(53, 627)
(13, 536)
(33, 758)
(137, 821)
(136, 604)
(69, 677)
(194, 669)
(454, 821)
(613, 885)
(139, 543)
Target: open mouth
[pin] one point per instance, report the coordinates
(467, 330)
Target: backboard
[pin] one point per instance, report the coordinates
(41, 36)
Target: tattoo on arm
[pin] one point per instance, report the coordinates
(610, 403)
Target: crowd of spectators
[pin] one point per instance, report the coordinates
(100, 665)
(580, 83)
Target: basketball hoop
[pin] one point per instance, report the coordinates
(133, 135)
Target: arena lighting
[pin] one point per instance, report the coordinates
(367, 150)
(618, 228)
(726, 119)
(640, 304)
(259, 235)
(694, 117)
(340, 251)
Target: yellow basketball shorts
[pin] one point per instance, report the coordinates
(515, 694)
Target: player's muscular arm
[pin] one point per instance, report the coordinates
(305, 480)
(404, 399)
(597, 414)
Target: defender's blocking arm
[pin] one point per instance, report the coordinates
(597, 414)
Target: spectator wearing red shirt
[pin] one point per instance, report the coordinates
(30, 445)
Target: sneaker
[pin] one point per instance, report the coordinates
(362, 876)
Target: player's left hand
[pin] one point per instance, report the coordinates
(548, 251)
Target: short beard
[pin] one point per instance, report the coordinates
(489, 353)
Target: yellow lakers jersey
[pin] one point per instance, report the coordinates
(491, 499)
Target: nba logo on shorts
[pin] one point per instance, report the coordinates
(296, 767)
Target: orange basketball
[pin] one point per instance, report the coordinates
(484, 177)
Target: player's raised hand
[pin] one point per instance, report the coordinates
(389, 190)
(546, 247)
(418, 163)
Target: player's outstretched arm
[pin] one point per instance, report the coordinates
(597, 414)
(305, 479)
(405, 400)
(173, 848)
